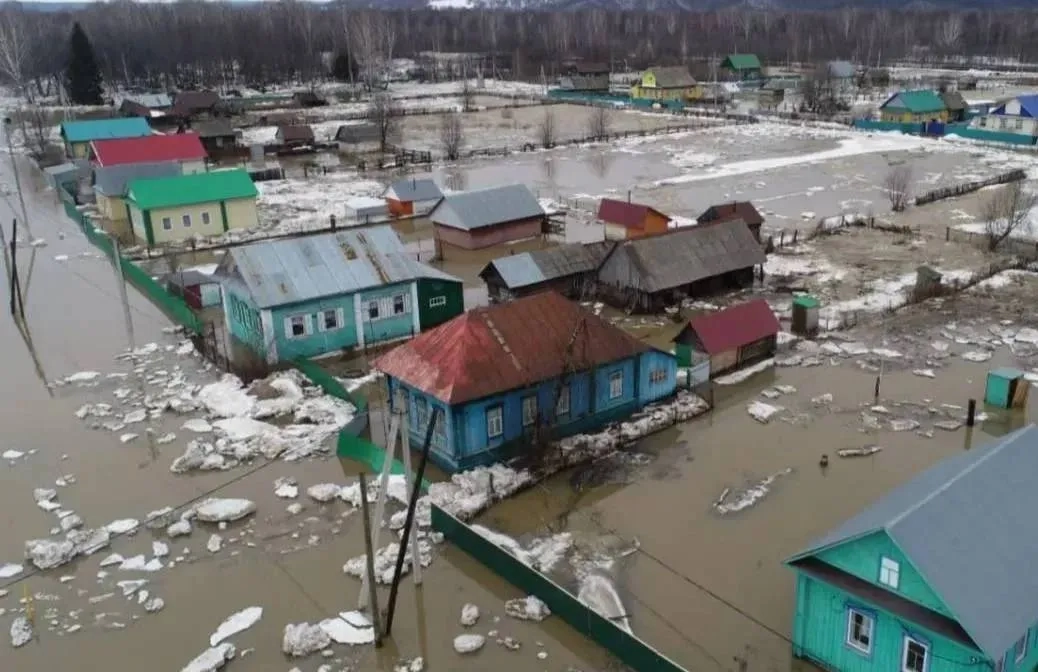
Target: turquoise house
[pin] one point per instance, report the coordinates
(77, 135)
(937, 576)
(505, 377)
(315, 295)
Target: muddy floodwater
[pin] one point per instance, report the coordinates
(291, 566)
(710, 590)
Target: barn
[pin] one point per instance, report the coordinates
(732, 338)
(473, 220)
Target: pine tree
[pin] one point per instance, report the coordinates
(82, 76)
(344, 69)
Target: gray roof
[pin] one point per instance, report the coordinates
(531, 268)
(673, 77)
(291, 270)
(412, 189)
(841, 69)
(364, 132)
(62, 168)
(112, 180)
(967, 525)
(215, 128)
(155, 101)
(470, 210)
(688, 255)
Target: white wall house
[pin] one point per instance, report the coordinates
(1016, 115)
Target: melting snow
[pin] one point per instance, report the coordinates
(7, 570)
(529, 608)
(598, 592)
(211, 659)
(215, 509)
(235, 623)
(303, 639)
(469, 643)
(743, 374)
(350, 627)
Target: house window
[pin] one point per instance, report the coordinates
(914, 657)
(438, 302)
(983, 122)
(1020, 648)
(1019, 123)
(657, 376)
(495, 422)
(421, 408)
(205, 218)
(330, 320)
(562, 404)
(372, 310)
(529, 410)
(398, 304)
(1002, 123)
(187, 221)
(167, 224)
(889, 572)
(616, 384)
(859, 630)
(297, 326)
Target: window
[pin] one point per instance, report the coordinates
(297, 326)
(1002, 123)
(859, 630)
(983, 122)
(616, 384)
(167, 224)
(398, 304)
(421, 408)
(187, 221)
(438, 302)
(913, 659)
(1020, 648)
(1019, 123)
(372, 310)
(657, 376)
(495, 422)
(562, 404)
(889, 573)
(205, 218)
(529, 410)
(330, 320)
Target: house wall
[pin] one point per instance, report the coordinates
(653, 365)
(317, 340)
(820, 633)
(677, 93)
(723, 361)
(902, 115)
(78, 150)
(616, 232)
(585, 82)
(178, 230)
(439, 301)
(489, 235)
(419, 407)
(242, 213)
(399, 208)
(1009, 124)
(388, 325)
(244, 321)
(112, 208)
(758, 350)
(137, 223)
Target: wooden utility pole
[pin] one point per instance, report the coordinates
(380, 505)
(369, 561)
(412, 486)
(17, 307)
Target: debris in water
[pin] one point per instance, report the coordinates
(215, 543)
(48, 553)
(351, 627)
(859, 452)
(235, 623)
(976, 356)
(303, 639)
(743, 374)
(748, 497)
(948, 425)
(159, 549)
(215, 510)
(131, 587)
(598, 592)
(822, 399)
(154, 604)
(113, 559)
(469, 643)
(168, 437)
(82, 377)
(12, 455)
(294, 508)
(542, 554)
(179, 529)
(415, 665)
(925, 373)
(323, 492)
(529, 608)
(139, 563)
(123, 526)
(762, 412)
(197, 425)
(21, 632)
(9, 569)
(211, 659)
(469, 614)
(903, 424)
(286, 488)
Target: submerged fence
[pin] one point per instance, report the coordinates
(969, 187)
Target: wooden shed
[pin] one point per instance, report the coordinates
(732, 338)
(624, 220)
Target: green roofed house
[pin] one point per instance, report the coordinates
(170, 209)
(743, 66)
(936, 576)
(77, 135)
(914, 106)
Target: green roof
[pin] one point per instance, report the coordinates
(805, 301)
(742, 62)
(168, 192)
(918, 102)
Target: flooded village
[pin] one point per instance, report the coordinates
(532, 376)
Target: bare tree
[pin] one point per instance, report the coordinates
(385, 114)
(898, 186)
(546, 129)
(1005, 211)
(452, 136)
(598, 123)
(468, 95)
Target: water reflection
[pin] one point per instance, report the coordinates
(455, 179)
(600, 163)
(548, 167)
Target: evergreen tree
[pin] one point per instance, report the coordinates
(344, 68)
(82, 76)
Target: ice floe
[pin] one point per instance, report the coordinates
(235, 623)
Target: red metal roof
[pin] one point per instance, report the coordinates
(149, 149)
(629, 215)
(504, 347)
(736, 326)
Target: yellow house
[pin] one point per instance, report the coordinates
(664, 84)
(170, 209)
(77, 135)
(914, 106)
(111, 182)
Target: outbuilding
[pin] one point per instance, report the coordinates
(412, 196)
(624, 220)
(473, 220)
(366, 209)
(732, 338)
(294, 136)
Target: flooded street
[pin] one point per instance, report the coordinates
(290, 565)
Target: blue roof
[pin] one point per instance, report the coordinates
(293, 270)
(412, 189)
(105, 129)
(967, 525)
(1028, 106)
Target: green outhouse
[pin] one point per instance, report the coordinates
(805, 315)
(1006, 388)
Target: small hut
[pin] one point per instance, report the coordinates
(1006, 388)
(805, 315)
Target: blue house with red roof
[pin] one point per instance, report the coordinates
(503, 378)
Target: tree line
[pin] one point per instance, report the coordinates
(192, 43)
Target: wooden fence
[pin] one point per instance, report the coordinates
(1023, 248)
(969, 187)
(505, 150)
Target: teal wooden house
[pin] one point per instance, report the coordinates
(937, 576)
(315, 295)
(503, 378)
(1006, 388)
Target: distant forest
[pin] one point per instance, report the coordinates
(215, 43)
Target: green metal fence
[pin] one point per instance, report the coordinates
(625, 646)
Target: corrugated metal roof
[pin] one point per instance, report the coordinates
(518, 270)
(917, 102)
(742, 62)
(689, 254)
(673, 77)
(735, 326)
(105, 129)
(412, 189)
(215, 128)
(468, 210)
(296, 133)
(530, 268)
(154, 101)
(280, 272)
(168, 192)
(151, 148)
(626, 214)
(508, 346)
(968, 526)
(113, 180)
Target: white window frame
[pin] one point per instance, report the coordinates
(657, 376)
(562, 403)
(206, 219)
(889, 572)
(322, 323)
(290, 322)
(904, 654)
(438, 301)
(1020, 648)
(167, 223)
(185, 219)
(402, 298)
(529, 410)
(866, 620)
(495, 421)
(616, 385)
(1019, 124)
